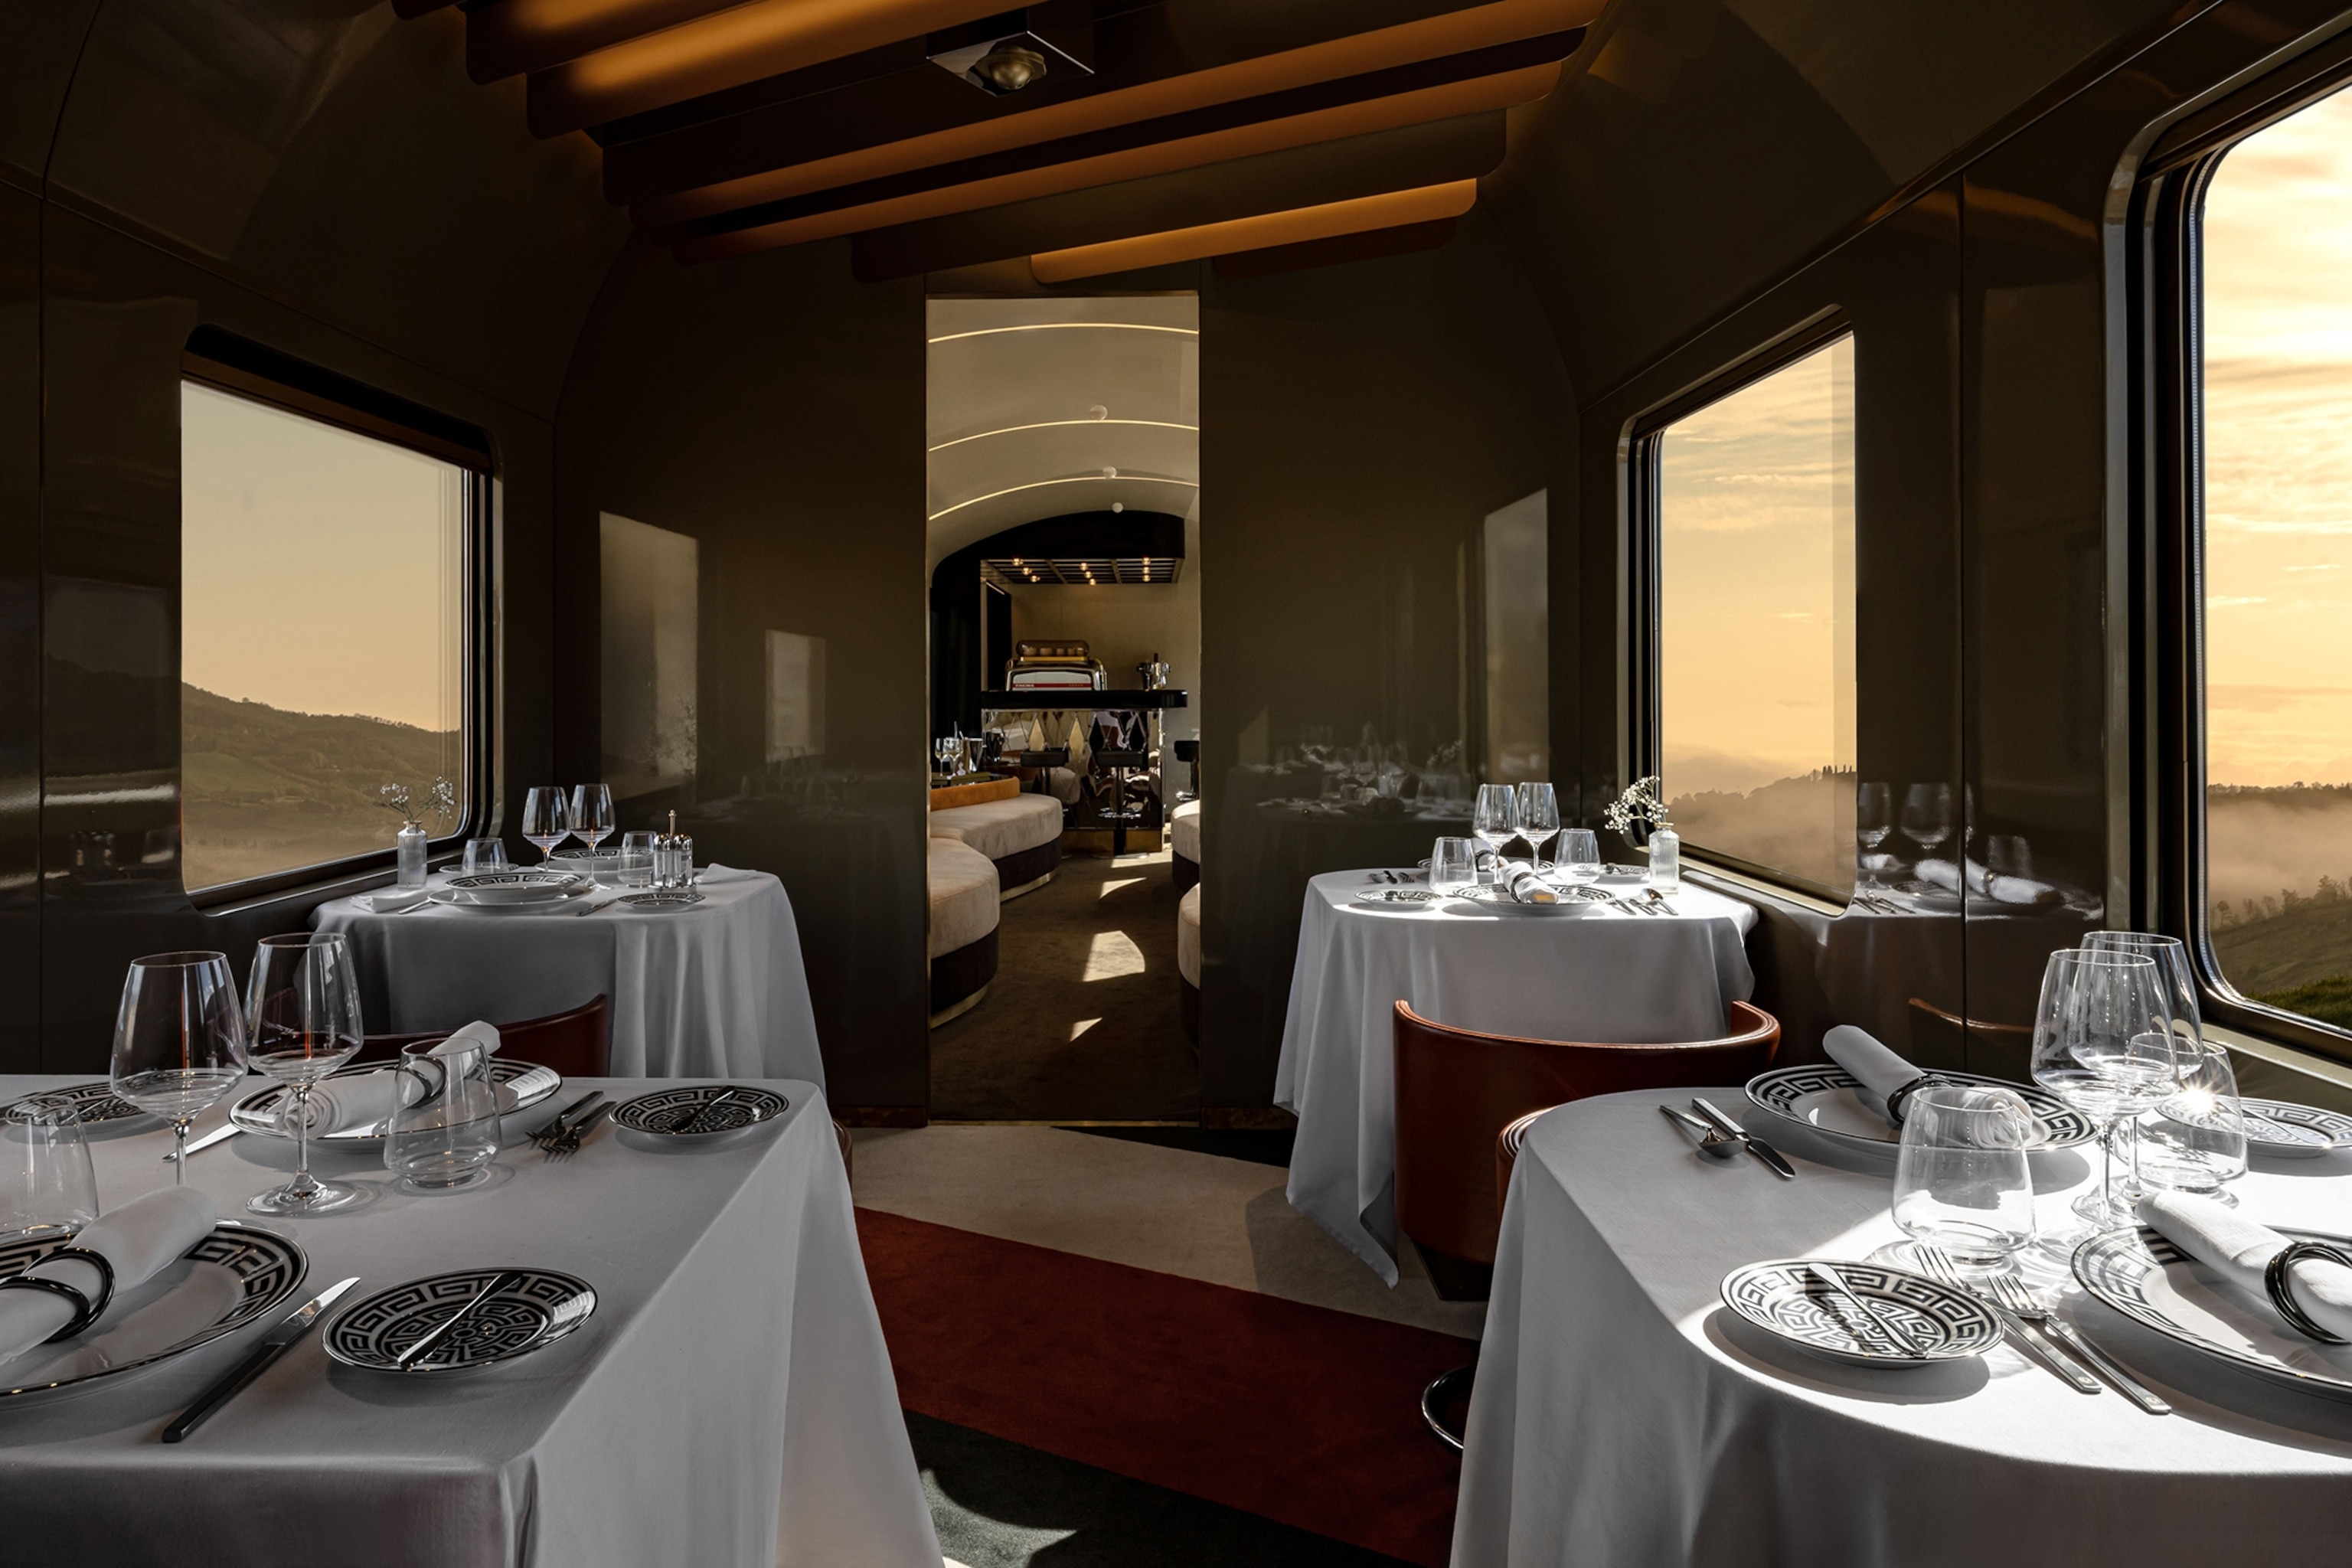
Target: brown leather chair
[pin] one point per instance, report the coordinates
(1461, 1095)
(577, 1044)
(1456, 1089)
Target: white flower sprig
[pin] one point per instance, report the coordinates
(1643, 802)
(441, 800)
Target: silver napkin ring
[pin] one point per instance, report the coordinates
(1902, 1097)
(85, 1311)
(2274, 1281)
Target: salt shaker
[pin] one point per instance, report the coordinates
(673, 858)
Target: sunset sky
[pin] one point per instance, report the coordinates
(318, 566)
(2278, 430)
(1755, 520)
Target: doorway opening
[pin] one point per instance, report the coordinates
(1064, 657)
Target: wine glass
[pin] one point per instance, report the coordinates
(2103, 1041)
(1874, 819)
(1960, 1178)
(1928, 815)
(1538, 817)
(591, 813)
(302, 1018)
(179, 1040)
(1579, 857)
(2205, 1117)
(546, 821)
(1495, 820)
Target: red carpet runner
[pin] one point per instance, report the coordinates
(1297, 1413)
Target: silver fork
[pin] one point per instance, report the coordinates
(550, 1135)
(1940, 1266)
(2011, 1293)
(568, 1143)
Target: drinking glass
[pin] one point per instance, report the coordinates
(444, 1125)
(2195, 1138)
(1579, 856)
(302, 1018)
(1453, 866)
(2008, 854)
(46, 1181)
(1495, 820)
(546, 821)
(1960, 1178)
(637, 859)
(485, 854)
(1538, 816)
(1928, 815)
(591, 813)
(2103, 1041)
(1874, 819)
(179, 1040)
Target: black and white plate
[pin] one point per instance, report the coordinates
(2153, 1282)
(511, 889)
(225, 1281)
(1413, 898)
(661, 898)
(95, 1104)
(1826, 1099)
(535, 1307)
(661, 1114)
(521, 1085)
(2281, 1130)
(1789, 1298)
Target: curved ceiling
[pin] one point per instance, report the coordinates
(1044, 406)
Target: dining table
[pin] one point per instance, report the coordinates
(1577, 971)
(1621, 1412)
(729, 1401)
(714, 988)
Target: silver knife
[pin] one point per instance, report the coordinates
(217, 1135)
(274, 1343)
(1869, 1308)
(448, 1325)
(1773, 1159)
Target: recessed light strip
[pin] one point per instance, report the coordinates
(1080, 479)
(1056, 424)
(1066, 327)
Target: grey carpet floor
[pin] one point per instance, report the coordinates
(1081, 1021)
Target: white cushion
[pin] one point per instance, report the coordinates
(1185, 830)
(963, 896)
(999, 828)
(1188, 935)
(1063, 785)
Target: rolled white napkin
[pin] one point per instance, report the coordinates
(1982, 879)
(363, 1100)
(1880, 1071)
(1529, 889)
(139, 1239)
(2239, 1250)
(391, 900)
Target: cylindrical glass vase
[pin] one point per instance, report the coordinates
(1666, 859)
(411, 851)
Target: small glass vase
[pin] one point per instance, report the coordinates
(1666, 859)
(411, 855)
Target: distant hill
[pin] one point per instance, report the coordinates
(266, 789)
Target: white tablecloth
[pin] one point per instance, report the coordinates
(1593, 974)
(714, 991)
(733, 1377)
(1623, 1416)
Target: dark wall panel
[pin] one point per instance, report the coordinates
(1358, 423)
(20, 628)
(773, 408)
(38, 46)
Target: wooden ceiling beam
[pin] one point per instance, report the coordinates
(518, 36)
(1296, 226)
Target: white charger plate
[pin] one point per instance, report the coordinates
(494, 890)
(2154, 1283)
(1826, 1099)
(2282, 1129)
(1787, 1299)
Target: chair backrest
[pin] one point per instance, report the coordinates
(1456, 1089)
(577, 1044)
(1506, 1155)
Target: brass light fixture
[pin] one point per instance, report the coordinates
(1003, 53)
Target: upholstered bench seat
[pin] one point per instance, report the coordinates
(1022, 834)
(1188, 961)
(963, 926)
(1184, 843)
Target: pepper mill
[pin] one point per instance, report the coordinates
(673, 858)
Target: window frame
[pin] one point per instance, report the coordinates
(225, 363)
(2166, 281)
(1644, 544)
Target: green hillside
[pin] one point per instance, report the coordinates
(2300, 959)
(265, 789)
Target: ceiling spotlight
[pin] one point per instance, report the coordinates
(1110, 473)
(1118, 506)
(1019, 48)
(1009, 67)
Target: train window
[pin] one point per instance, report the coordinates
(1754, 679)
(2277, 536)
(322, 639)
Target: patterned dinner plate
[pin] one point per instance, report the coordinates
(511, 889)
(95, 1104)
(1410, 898)
(521, 1085)
(1826, 1099)
(227, 1279)
(721, 1108)
(2154, 1283)
(661, 898)
(2282, 1129)
(1791, 1299)
(532, 1310)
